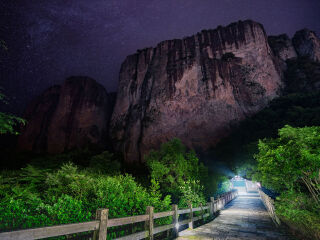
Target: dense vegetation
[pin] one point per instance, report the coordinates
(8, 121)
(44, 194)
(290, 165)
(179, 173)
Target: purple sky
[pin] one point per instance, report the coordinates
(49, 40)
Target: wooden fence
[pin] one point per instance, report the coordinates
(269, 204)
(102, 223)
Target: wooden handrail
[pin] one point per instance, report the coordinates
(102, 223)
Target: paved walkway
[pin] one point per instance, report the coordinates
(243, 218)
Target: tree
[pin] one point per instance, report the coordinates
(291, 161)
(8, 121)
(173, 166)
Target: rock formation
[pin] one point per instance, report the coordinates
(307, 44)
(299, 60)
(282, 47)
(68, 116)
(193, 88)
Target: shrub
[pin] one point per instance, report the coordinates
(69, 195)
(291, 161)
(191, 193)
(173, 165)
(105, 163)
(296, 208)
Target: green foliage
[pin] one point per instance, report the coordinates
(8, 121)
(106, 163)
(35, 197)
(172, 166)
(290, 164)
(81, 157)
(223, 186)
(298, 209)
(191, 193)
(71, 181)
(290, 160)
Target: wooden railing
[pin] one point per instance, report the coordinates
(102, 223)
(269, 204)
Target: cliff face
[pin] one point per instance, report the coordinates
(299, 60)
(68, 116)
(193, 88)
(282, 46)
(39, 115)
(307, 44)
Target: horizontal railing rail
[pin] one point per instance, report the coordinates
(102, 223)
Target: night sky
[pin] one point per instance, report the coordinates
(49, 40)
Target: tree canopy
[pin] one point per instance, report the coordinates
(177, 170)
(291, 161)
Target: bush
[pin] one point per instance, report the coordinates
(69, 195)
(224, 185)
(191, 193)
(105, 163)
(291, 161)
(172, 166)
(296, 208)
(290, 164)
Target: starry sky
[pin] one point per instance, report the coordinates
(49, 40)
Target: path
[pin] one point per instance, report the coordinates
(243, 218)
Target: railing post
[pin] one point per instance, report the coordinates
(102, 216)
(218, 203)
(149, 222)
(202, 213)
(191, 217)
(211, 206)
(175, 220)
(209, 209)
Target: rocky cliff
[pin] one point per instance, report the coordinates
(193, 88)
(68, 116)
(283, 49)
(307, 44)
(299, 58)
